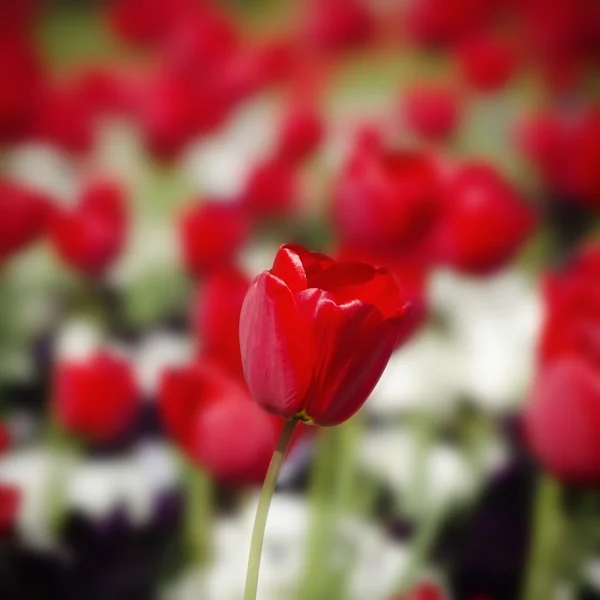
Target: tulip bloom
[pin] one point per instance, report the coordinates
(96, 398)
(563, 419)
(432, 112)
(213, 420)
(211, 235)
(316, 335)
(91, 237)
(485, 221)
(10, 502)
(386, 200)
(24, 217)
(217, 317)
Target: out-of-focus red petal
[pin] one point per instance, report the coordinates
(274, 346)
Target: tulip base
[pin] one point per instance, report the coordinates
(262, 511)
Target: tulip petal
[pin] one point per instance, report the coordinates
(335, 332)
(356, 380)
(349, 281)
(295, 265)
(275, 350)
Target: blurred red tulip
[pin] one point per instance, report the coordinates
(585, 157)
(215, 422)
(386, 200)
(563, 419)
(92, 236)
(10, 502)
(96, 397)
(542, 138)
(271, 189)
(24, 217)
(211, 235)
(487, 63)
(146, 21)
(20, 84)
(485, 220)
(64, 118)
(316, 335)
(337, 25)
(431, 111)
(300, 133)
(572, 297)
(217, 317)
(17, 17)
(443, 22)
(424, 591)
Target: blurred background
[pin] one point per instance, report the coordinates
(154, 154)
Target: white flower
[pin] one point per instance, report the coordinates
(158, 351)
(421, 376)
(78, 339)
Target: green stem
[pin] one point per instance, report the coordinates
(420, 547)
(262, 511)
(543, 556)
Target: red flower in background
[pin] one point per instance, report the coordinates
(431, 111)
(585, 157)
(485, 220)
(96, 398)
(211, 235)
(91, 237)
(24, 217)
(316, 334)
(17, 17)
(386, 200)
(10, 502)
(487, 63)
(424, 591)
(217, 309)
(214, 421)
(562, 417)
(20, 84)
(336, 25)
(300, 133)
(443, 22)
(272, 189)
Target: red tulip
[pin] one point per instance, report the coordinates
(485, 222)
(65, 118)
(563, 419)
(337, 25)
(386, 200)
(300, 133)
(572, 325)
(10, 502)
(272, 189)
(542, 138)
(432, 112)
(146, 21)
(424, 591)
(487, 63)
(95, 398)
(175, 108)
(214, 421)
(20, 83)
(217, 317)
(442, 22)
(585, 157)
(316, 335)
(24, 217)
(92, 236)
(17, 17)
(211, 235)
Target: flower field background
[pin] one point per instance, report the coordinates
(155, 156)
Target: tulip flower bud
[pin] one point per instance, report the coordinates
(316, 335)
(95, 398)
